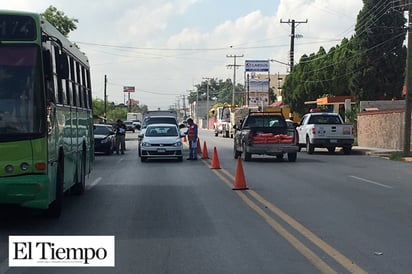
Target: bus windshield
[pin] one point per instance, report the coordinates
(21, 95)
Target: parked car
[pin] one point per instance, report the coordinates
(129, 126)
(161, 141)
(104, 138)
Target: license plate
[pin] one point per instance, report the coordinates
(333, 141)
(161, 150)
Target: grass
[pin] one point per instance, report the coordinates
(396, 156)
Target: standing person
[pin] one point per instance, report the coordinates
(120, 129)
(192, 137)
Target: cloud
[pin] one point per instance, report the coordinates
(164, 47)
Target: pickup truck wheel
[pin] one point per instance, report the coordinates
(309, 147)
(331, 149)
(292, 156)
(236, 153)
(347, 150)
(246, 156)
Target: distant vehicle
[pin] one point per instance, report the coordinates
(134, 116)
(104, 139)
(129, 126)
(137, 124)
(161, 141)
(151, 113)
(223, 124)
(325, 129)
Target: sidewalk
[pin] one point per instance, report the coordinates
(378, 152)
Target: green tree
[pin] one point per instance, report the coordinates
(220, 91)
(59, 20)
(378, 70)
(113, 111)
(370, 65)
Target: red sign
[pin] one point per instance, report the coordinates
(128, 89)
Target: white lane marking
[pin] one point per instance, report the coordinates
(94, 183)
(370, 182)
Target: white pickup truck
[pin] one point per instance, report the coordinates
(324, 129)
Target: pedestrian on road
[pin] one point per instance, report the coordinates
(120, 129)
(192, 135)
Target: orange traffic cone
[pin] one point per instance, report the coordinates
(199, 149)
(240, 182)
(215, 160)
(205, 155)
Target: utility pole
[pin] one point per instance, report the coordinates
(293, 23)
(105, 99)
(184, 107)
(408, 101)
(234, 75)
(207, 100)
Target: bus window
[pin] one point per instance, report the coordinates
(83, 88)
(73, 78)
(66, 92)
(62, 96)
(89, 91)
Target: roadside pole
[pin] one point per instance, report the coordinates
(408, 101)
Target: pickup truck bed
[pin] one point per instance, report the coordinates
(272, 137)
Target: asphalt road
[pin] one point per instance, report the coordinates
(322, 214)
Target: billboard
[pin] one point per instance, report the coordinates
(128, 89)
(256, 65)
(258, 92)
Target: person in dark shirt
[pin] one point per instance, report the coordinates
(120, 129)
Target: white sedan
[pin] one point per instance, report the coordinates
(161, 141)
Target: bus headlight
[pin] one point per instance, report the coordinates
(9, 168)
(24, 166)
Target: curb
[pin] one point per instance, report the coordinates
(385, 155)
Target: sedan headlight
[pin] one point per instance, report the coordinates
(105, 140)
(178, 144)
(145, 144)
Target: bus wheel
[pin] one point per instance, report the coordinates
(55, 207)
(80, 185)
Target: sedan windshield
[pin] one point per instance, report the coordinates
(161, 131)
(101, 130)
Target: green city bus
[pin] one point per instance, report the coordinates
(46, 121)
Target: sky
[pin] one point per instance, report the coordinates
(165, 47)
